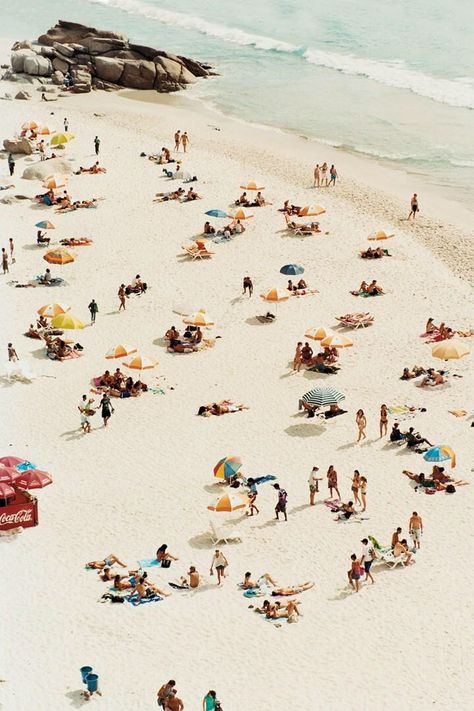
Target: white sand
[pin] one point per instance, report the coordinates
(405, 642)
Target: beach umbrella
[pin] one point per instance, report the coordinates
(55, 181)
(44, 131)
(8, 475)
(251, 185)
(11, 461)
(45, 225)
(216, 213)
(311, 211)
(6, 491)
(440, 453)
(199, 319)
(275, 295)
(230, 502)
(240, 215)
(67, 321)
(59, 139)
(337, 341)
(52, 310)
(33, 479)
(380, 234)
(29, 125)
(224, 469)
(120, 351)
(141, 362)
(322, 396)
(59, 256)
(318, 333)
(450, 350)
(292, 269)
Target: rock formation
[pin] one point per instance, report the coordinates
(99, 59)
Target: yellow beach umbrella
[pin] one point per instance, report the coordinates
(59, 256)
(67, 321)
(318, 333)
(28, 125)
(275, 295)
(55, 181)
(199, 319)
(311, 211)
(120, 351)
(52, 310)
(380, 234)
(240, 215)
(59, 139)
(229, 503)
(251, 185)
(450, 350)
(337, 341)
(140, 362)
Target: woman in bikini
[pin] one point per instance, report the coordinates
(355, 485)
(297, 357)
(361, 422)
(383, 424)
(106, 563)
(363, 492)
(332, 481)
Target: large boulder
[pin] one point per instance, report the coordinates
(109, 69)
(38, 66)
(41, 170)
(104, 85)
(72, 32)
(22, 145)
(146, 52)
(81, 76)
(57, 78)
(99, 45)
(22, 44)
(81, 87)
(65, 49)
(23, 95)
(61, 65)
(138, 75)
(18, 59)
(171, 75)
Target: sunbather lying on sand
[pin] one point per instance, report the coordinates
(220, 408)
(144, 588)
(264, 579)
(174, 195)
(301, 226)
(292, 589)
(415, 372)
(94, 169)
(433, 483)
(191, 195)
(76, 242)
(344, 511)
(277, 610)
(377, 253)
(106, 563)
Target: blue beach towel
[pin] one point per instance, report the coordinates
(149, 563)
(135, 600)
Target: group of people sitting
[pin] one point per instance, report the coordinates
(41, 329)
(432, 377)
(94, 169)
(189, 342)
(57, 349)
(299, 289)
(322, 362)
(437, 481)
(66, 205)
(376, 253)
(365, 289)
(259, 201)
(233, 228)
(437, 333)
(136, 581)
(289, 209)
(412, 439)
(220, 408)
(163, 157)
(178, 194)
(117, 384)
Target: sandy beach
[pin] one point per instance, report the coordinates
(147, 478)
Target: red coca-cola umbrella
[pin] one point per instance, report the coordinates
(33, 479)
(6, 491)
(11, 461)
(8, 475)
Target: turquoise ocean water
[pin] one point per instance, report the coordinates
(390, 80)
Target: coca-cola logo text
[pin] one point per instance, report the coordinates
(21, 516)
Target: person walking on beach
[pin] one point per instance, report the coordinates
(220, 562)
(354, 573)
(324, 174)
(66, 125)
(317, 176)
(332, 175)
(209, 702)
(97, 145)
(177, 140)
(313, 482)
(367, 558)
(332, 482)
(297, 359)
(415, 528)
(248, 285)
(383, 424)
(361, 422)
(165, 692)
(12, 354)
(94, 310)
(85, 408)
(11, 164)
(363, 493)
(12, 250)
(107, 408)
(122, 296)
(281, 502)
(355, 486)
(5, 261)
(413, 207)
(185, 141)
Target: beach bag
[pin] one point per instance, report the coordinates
(166, 563)
(450, 489)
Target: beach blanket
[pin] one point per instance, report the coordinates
(263, 479)
(149, 563)
(223, 238)
(134, 600)
(365, 294)
(458, 413)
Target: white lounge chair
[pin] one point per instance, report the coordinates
(220, 534)
(392, 561)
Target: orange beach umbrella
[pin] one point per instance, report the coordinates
(141, 362)
(230, 502)
(120, 351)
(380, 234)
(275, 295)
(318, 333)
(337, 341)
(240, 215)
(52, 310)
(311, 211)
(199, 319)
(59, 256)
(251, 185)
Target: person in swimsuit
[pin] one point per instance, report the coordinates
(107, 408)
(162, 554)
(293, 589)
(248, 284)
(333, 175)
(220, 562)
(354, 573)
(363, 492)
(355, 485)
(324, 174)
(413, 207)
(383, 424)
(345, 512)
(297, 356)
(415, 528)
(361, 422)
(316, 176)
(313, 481)
(177, 140)
(332, 482)
(106, 563)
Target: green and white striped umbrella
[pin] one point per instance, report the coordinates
(323, 396)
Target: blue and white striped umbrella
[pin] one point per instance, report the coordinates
(320, 397)
(292, 269)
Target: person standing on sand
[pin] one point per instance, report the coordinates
(415, 528)
(324, 174)
(85, 408)
(367, 558)
(122, 296)
(281, 502)
(220, 562)
(313, 482)
(363, 493)
(317, 176)
(165, 692)
(209, 702)
(332, 175)
(94, 310)
(177, 140)
(185, 141)
(5, 261)
(97, 145)
(11, 164)
(174, 704)
(413, 207)
(12, 354)
(66, 125)
(107, 408)
(248, 284)
(12, 250)
(297, 356)
(361, 422)
(355, 486)
(383, 420)
(354, 573)
(332, 482)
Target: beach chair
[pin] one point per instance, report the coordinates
(356, 320)
(220, 534)
(195, 252)
(387, 557)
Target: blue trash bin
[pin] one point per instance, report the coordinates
(92, 682)
(84, 673)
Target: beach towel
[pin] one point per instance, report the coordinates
(458, 413)
(149, 563)
(263, 479)
(134, 600)
(156, 391)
